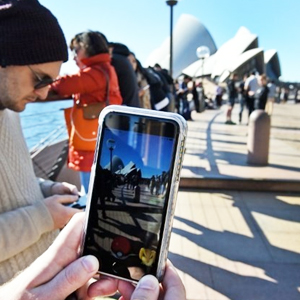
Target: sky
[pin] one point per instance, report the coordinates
(128, 147)
(143, 25)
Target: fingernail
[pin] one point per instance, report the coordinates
(147, 282)
(90, 263)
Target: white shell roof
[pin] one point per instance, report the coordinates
(188, 34)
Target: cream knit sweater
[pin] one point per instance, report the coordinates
(25, 222)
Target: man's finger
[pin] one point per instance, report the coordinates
(172, 284)
(67, 198)
(147, 289)
(71, 278)
(61, 253)
(107, 286)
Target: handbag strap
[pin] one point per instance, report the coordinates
(107, 83)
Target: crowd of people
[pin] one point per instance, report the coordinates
(39, 235)
(252, 92)
(109, 73)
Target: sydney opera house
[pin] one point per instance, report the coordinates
(241, 54)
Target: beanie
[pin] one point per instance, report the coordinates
(29, 34)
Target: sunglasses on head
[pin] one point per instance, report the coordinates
(41, 82)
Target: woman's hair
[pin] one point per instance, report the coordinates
(92, 41)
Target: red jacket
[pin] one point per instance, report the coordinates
(89, 85)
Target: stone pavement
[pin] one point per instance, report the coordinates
(216, 155)
(237, 245)
(231, 243)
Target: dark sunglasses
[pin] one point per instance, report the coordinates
(41, 82)
(75, 51)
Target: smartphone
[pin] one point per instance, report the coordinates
(80, 203)
(133, 189)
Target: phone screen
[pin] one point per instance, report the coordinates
(130, 192)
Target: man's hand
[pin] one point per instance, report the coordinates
(57, 273)
(63, 188)
(60, 213)
(148, 287)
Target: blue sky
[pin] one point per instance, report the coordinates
(143, 25)
(128, 147)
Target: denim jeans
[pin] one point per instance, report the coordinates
(85, 180)
(242, 105)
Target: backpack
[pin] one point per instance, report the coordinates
(159, 99)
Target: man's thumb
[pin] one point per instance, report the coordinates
(72, 277)
(147, 289)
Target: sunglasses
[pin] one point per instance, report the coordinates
(75, 51)
(41, 82)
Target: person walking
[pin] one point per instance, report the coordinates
(232, 95)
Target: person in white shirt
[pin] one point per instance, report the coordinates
(251, 86)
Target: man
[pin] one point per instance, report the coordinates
(126, 76)
(251, 87)
(219, 96)
(170, 88)
(232, 95)
(32, 49)
(262, 93)
(271, 97)
(243, 96)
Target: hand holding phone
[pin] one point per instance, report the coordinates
(80, 203)
(135, 178)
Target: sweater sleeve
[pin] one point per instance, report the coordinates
(27, 225)
(46, 186)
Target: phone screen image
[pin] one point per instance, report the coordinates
(130, 194)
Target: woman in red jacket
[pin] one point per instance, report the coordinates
(95, 82)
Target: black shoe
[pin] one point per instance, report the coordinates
(229, 122)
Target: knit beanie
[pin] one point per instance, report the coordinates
(29, 34)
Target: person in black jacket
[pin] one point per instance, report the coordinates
(262, 93)
(126, 76)
(232, 95)
(170, 87)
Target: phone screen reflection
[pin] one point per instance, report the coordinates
(129, 201)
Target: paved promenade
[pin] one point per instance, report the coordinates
(216, 154)
(231, 243)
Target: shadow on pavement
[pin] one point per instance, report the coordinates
(280, 267)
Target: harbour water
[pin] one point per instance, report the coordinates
(39, 120)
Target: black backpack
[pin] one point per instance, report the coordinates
(159, 99)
